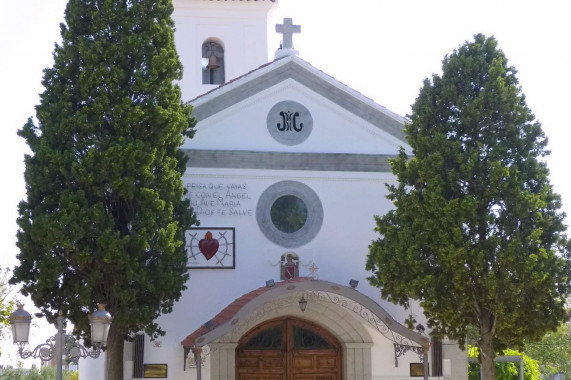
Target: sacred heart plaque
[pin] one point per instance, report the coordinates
(208, 246)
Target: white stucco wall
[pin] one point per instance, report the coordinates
(241, 26)
(339, 250)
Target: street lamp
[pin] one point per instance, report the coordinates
(100, 322)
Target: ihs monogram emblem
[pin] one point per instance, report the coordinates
(289, 122)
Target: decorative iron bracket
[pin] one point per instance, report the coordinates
(47, 351)
(401, 349)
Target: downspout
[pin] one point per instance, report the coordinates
(198, 359)
(425, 360)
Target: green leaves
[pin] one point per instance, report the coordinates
(476, 234)
(6, 302)
(553, 352)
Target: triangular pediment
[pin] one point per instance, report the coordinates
(292, 67)
(349, 131)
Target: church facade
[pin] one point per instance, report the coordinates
(287, 169)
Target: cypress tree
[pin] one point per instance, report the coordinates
(104, 217)
(477, 235)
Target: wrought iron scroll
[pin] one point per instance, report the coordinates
(361, 311)
(74, 350)
(401, 349)
(47, 351)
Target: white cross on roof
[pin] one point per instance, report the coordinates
(287, 29)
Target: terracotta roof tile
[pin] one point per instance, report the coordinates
(230, 311)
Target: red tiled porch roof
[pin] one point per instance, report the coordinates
(229, 311)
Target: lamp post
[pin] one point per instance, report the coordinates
(100, 322)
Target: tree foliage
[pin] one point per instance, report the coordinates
(6, 302)
(553, 352)
(44, 373)
(104, 217)
(506, 370)
(476, 234)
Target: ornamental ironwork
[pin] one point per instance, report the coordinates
(73, 350)
(401, 349)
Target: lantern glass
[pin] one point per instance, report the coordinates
(20, 321)
(100, 322)
(99, 332)
(20, 331)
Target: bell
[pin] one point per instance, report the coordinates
(212, 64)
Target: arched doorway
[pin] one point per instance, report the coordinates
(288, 349)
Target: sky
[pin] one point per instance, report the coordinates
(383, 49)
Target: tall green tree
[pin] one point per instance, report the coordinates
(476, 235)
(104, 217)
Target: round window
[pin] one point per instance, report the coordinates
(289, 214)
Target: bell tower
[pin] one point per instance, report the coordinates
(218, 41)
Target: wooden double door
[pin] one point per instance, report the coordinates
(288, 349)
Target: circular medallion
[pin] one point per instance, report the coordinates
(289, 122)
(289, 214)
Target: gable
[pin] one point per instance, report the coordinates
(294, 68)
(344, 131)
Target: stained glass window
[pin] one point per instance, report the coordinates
(288, 213)
(306, 339)
(268, 339)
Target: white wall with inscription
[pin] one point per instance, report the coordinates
(228, 198)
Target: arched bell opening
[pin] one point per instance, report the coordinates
(213, 62)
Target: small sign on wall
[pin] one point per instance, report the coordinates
(155, 371)
(210, 248)
(416, 369)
